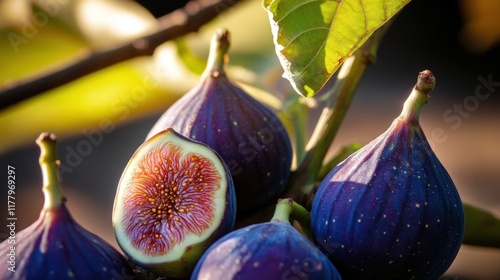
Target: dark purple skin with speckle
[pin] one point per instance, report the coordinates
(247, 135)
(389, 211)
(56, 247)
(271, 250)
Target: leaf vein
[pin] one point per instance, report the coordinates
(364, 14)
(384, 6)
(303, 32)
(311, 61)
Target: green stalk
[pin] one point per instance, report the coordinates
(419, 96)
(302, 181)
(332, 118)
(50, 171)
(217, 57)
(296, 111)
(286, 208)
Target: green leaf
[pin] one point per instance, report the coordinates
(29, 50)
(193, 62)
(482, 228)
(313, 37)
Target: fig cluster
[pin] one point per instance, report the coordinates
(388, 211)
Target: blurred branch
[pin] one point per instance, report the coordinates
(180, 22)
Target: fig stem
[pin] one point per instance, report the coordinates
(287, 208)
(418, 97)
(296, 112)
(302, 181)
(217, 57)
(50, 171)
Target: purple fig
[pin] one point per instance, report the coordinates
(391, 210)
(174, 199)
(270, 250)
(249, 136)
(56, 246)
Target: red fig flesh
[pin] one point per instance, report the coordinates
(175, 197)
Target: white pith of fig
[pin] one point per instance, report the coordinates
(175, 197)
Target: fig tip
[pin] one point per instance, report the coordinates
(46, 136)
(222, 34)
(426, 81)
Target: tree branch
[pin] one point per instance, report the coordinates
(171, 26)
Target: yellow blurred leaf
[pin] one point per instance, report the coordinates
(50, 33)
(102, 100)
(33, 48)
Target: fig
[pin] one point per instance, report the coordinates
(56, 246)
(174, 199)
(269, 250)
(248, 136)
(391, 210)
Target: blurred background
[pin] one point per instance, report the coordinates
(457, 40)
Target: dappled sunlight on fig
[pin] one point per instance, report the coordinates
(391, 210)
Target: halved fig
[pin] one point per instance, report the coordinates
(174, 199)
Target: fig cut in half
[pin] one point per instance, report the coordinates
(174, 199)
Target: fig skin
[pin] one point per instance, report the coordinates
(248, 136)
(270, 250)
(56, 246)
(180, 260)
(391, 210)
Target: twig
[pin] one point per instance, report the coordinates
(301, 184)
(171, 26)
